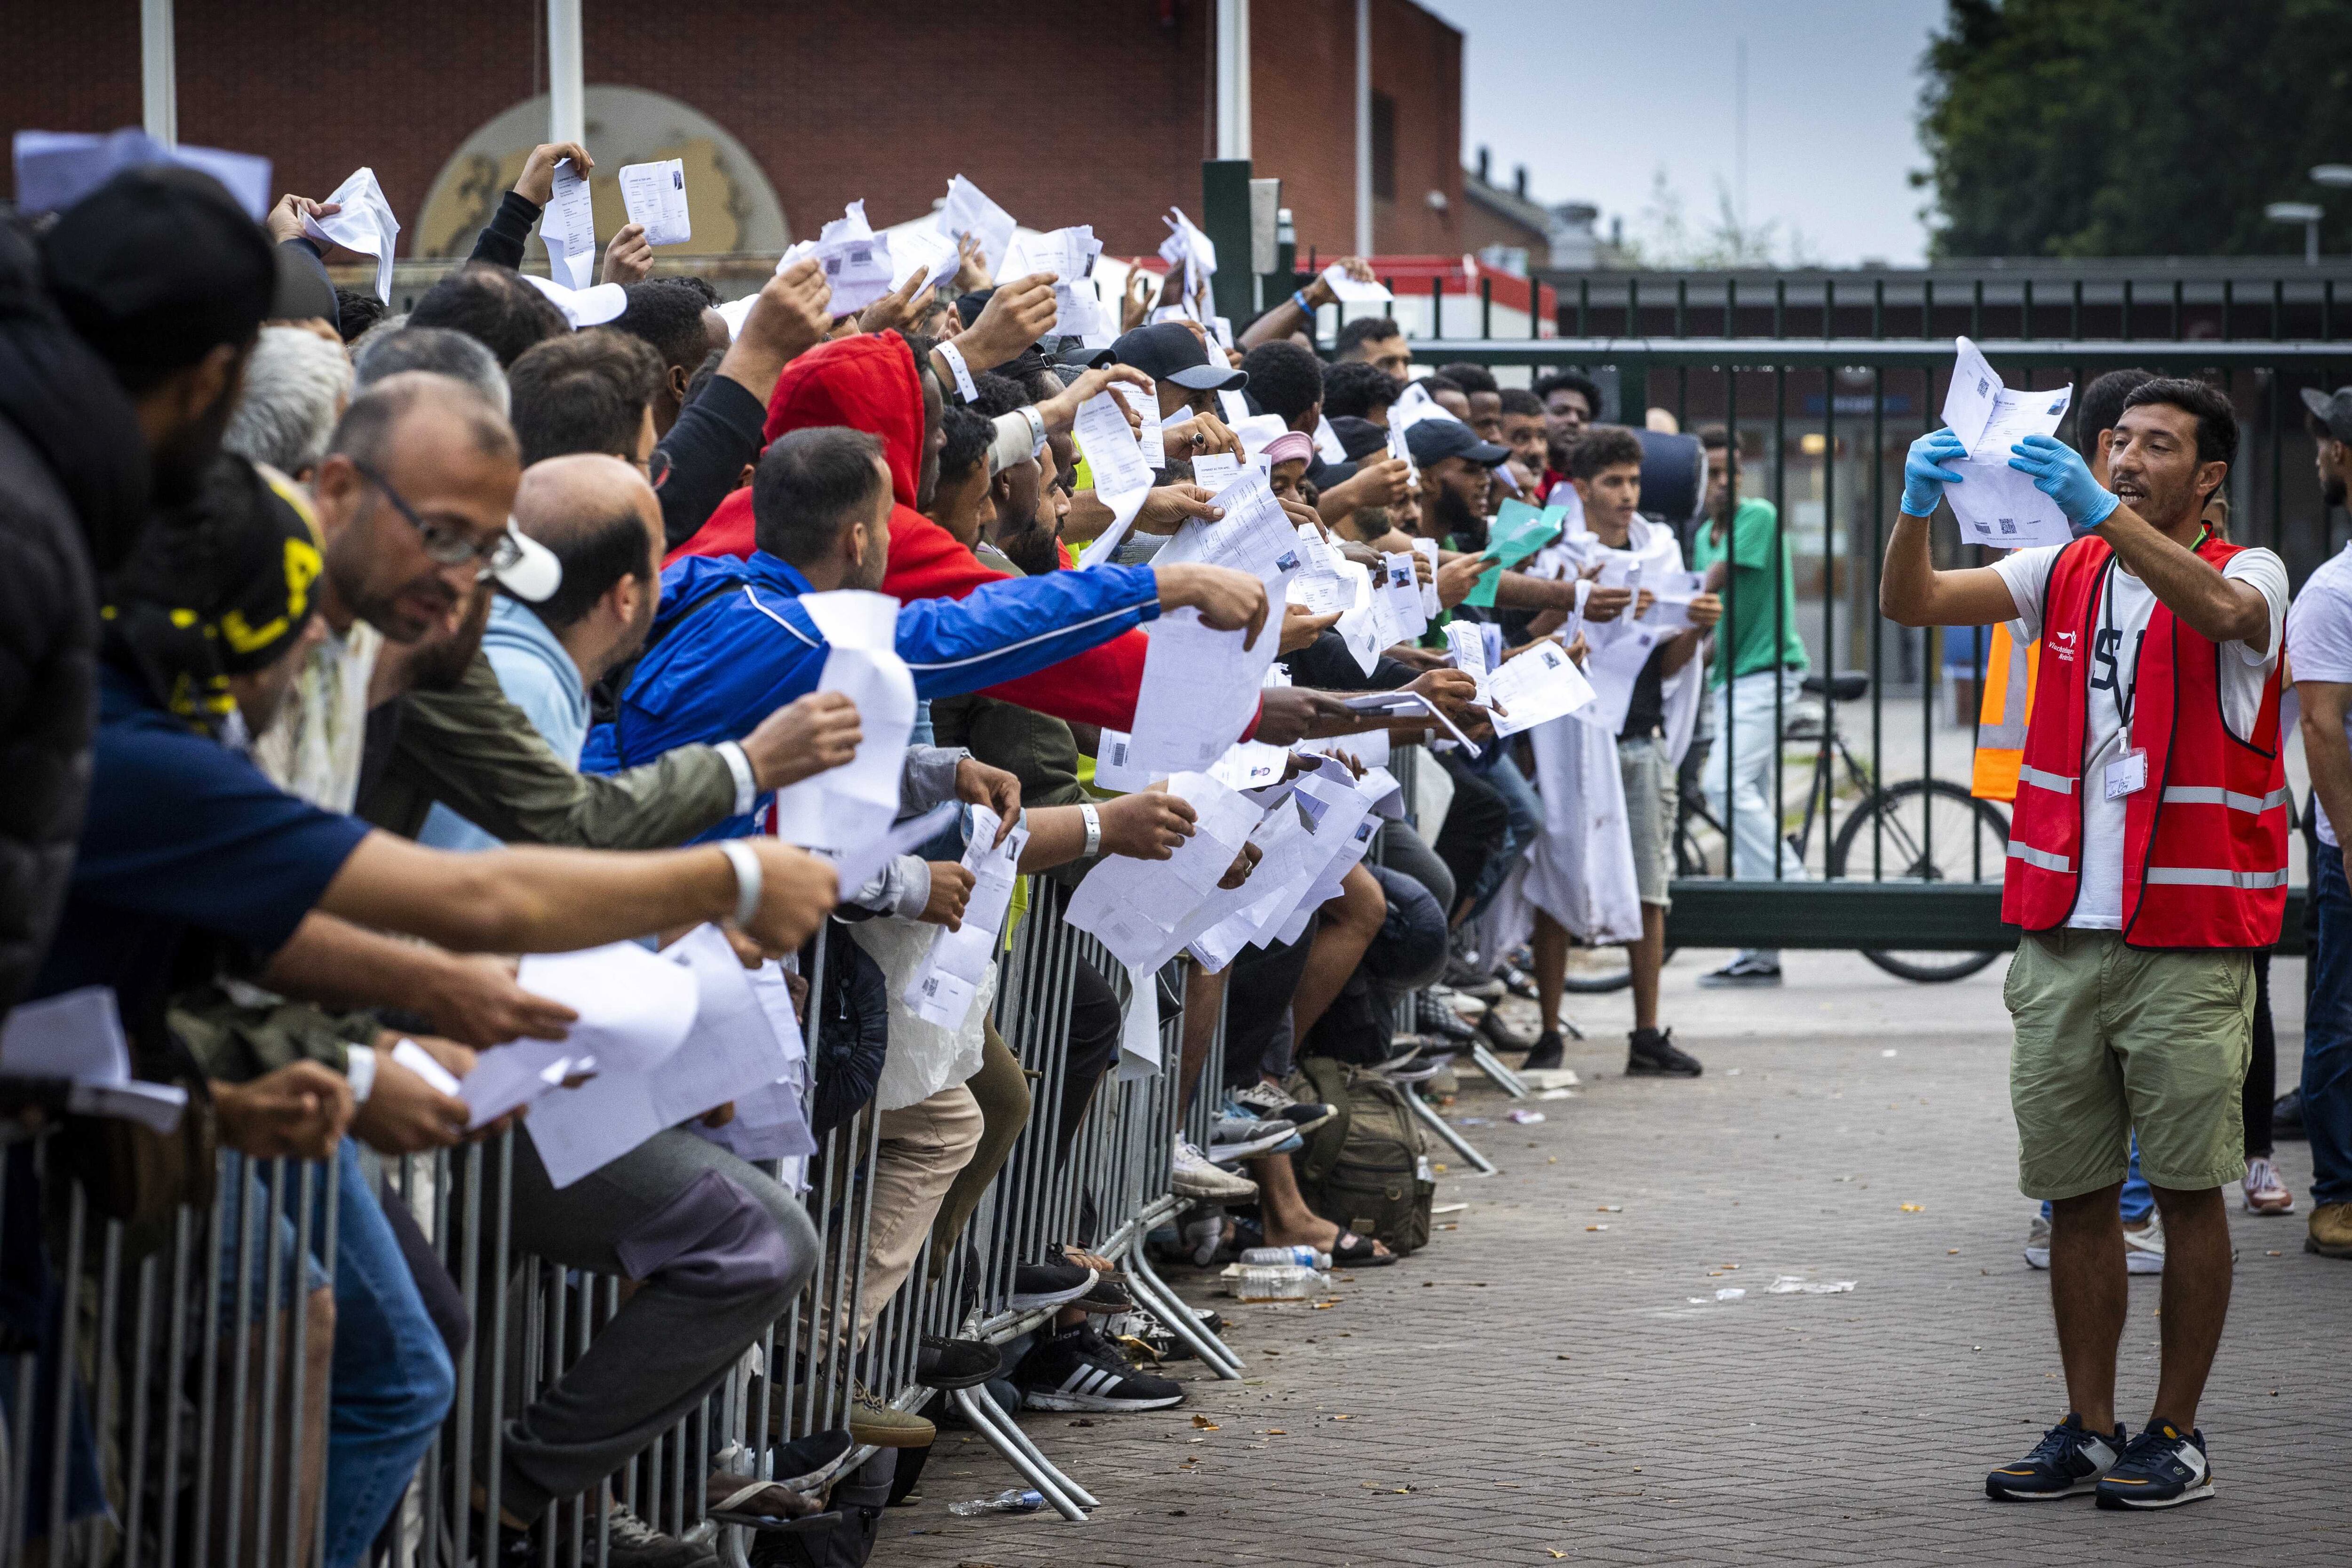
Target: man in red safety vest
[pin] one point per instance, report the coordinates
(2148, 860)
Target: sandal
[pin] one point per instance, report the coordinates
(1353, 1251)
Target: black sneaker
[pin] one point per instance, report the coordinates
(1036, 1285)
(1546, 1054)
(1075, 1370)
(1434, 1017)
(1651, 1053)
(1501, 1034)
(2070, 1459)
(2286, 1115)
(2163, 1467)
(631, 1542)
(943, 1362)
(1473, 981)
(1741, 971)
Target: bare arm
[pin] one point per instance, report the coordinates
(2324, 748)
(555, 901)
(2212, 606)
(472, 1000)
(1912, 593)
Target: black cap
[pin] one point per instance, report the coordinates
(158, 267)
(1433, 440)
(1075, 353)
(1172, 352)
(1359, 438)
(2333, 409)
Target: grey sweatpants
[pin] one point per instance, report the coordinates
(719, 1251)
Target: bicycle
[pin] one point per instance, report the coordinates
(1924, 830)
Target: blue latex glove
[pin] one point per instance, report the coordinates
(1924, 475)
(2060, 473)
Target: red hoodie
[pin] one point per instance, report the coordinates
(870, 383)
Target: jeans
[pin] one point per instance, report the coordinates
(1746, 753)
(2328, 1034)
(1525, 819)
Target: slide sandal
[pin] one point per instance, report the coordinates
(1352, 1251)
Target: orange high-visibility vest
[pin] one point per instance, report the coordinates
(2002, 716)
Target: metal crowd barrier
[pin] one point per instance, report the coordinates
(196, 1429)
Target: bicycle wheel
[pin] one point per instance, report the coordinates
(1591, 970)
(1924, 830)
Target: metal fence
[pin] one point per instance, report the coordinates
(207, 1441)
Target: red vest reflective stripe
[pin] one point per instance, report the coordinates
(2205, 844)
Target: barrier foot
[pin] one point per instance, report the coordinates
(999, 1431)
(1212, 1352)
(1444, 1130)
(1503, 1079)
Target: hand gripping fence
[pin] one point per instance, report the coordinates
(191, 1425)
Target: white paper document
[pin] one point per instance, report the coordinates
(1401, 589)
(1213, 471)
(1430, 606)
(365, 224)
(1124, 506)
(655, 195)
(1538, 686)
(78, 1036)
(1138, 1034)
(1199, 693)
(594, 307)
(968, 211)
(1997, 505)
(856, 803)
(568, 229)
(1255, 535)
(862, 862)
(924, 250)
(1151, 438)
(1110, 447)
(1146, 911)
(634, 1006)
(943, 985)
(418, 1060)
(1352, 291)
(505, 1076)
(858, 269)
(1612, 668)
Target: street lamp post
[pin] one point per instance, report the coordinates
(2307, 213)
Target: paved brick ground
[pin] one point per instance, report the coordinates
(1531, 1389)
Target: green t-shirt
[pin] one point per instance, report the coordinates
(1749, 621)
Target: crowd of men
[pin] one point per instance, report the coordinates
(351, 654)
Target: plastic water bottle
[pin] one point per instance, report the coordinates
(1013, 1500)
(1275, 1282)
(1301, 1254)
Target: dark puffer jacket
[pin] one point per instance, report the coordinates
(73, 477)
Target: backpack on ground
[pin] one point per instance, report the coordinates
(1366, 1169)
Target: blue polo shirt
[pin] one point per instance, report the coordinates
(181, 834)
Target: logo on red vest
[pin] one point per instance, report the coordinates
(2062, 645)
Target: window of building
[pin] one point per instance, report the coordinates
(1383, 146)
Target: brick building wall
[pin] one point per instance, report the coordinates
(1063, 112)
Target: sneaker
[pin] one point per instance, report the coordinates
(631, 1542)
(1191, 1175)
(2037, 1243)
(2286, 1115)
(1546, 1054)
(2143, 1248)
(1651, 1053)
(1106, 1296)
(1517, 981)
(2070, 1459)
(2163, 1467)
(2330, 1232)
(1432, 1016)
(1470, 981)
(1461, 1003)
(1238, 1135)
(1077, 1370)
(2266, 1193)
(1269, 1103)
(943, 1362)
(1742, 972)
(1036, 1285)
(876, 1424)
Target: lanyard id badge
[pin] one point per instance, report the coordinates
(2127, 774)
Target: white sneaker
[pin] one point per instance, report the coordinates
(1191, 1175)
(2265, 1193)
(2037, 1243)
(2144, 1248)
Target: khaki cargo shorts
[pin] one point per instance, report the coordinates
(2114, 1039)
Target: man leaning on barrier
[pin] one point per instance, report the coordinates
(2147, 861)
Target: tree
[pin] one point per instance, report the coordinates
(2135, 127)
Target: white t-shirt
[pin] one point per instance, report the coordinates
(2117, 629)
(2319, 637)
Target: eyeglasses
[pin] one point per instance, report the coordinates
(443, 545)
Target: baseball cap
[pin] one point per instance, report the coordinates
(159, 265)
(1432, 440)
(2333, 409)
(535, 574)
(1170, 352)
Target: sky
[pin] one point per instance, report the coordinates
(1597, 96)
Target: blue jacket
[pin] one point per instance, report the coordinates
(730, 645)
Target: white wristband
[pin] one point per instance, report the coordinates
(963, 372)
(747, 787)
(747, 878)
(1094, 828)
(360, 1072)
